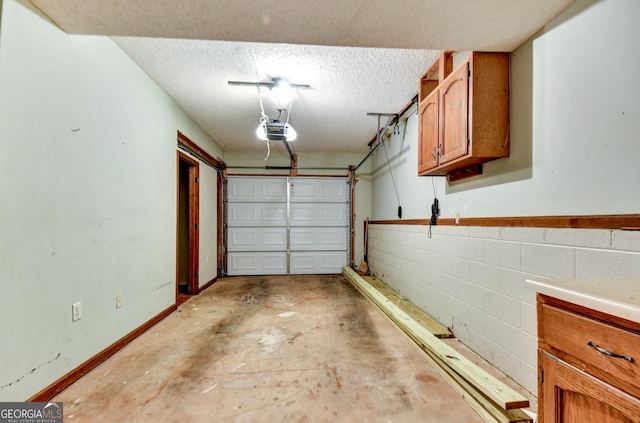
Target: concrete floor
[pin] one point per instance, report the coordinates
(268, 349)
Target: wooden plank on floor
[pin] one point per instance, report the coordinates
(485, 415)
(408, 307)
(497, 413)
(495, 390)
(486, 409)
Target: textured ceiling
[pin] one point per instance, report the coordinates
(358, 56)
(331, 116)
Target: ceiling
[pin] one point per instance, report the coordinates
(358, 56)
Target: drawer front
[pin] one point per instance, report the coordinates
(578, 336)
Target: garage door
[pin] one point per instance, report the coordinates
(287, 225)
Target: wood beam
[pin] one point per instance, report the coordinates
(499, 393)
(629, 222)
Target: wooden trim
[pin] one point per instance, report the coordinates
(180, 156)
(187, 158)
(177, 224)
(433, 70)
(194, 216)
(220, 218)
(352, 232)
(194, 228)
(445, 65)
(612, 221)
(65, 381)
(208, 284)
(184, 140)
(401, 222)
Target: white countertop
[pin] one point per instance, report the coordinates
(616, 296)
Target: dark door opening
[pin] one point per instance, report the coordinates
(187, 225)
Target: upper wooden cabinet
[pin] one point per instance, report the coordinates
(463, 114)
(428, 133)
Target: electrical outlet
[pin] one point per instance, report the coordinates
(118, 300)
(76, 311)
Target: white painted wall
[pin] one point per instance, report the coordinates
(87, 189)
(574, 128)
(575, 106)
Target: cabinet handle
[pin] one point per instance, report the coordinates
(433, 153)
(609, 353)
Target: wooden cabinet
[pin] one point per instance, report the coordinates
(428, 133)
(463, 114)
(588, 369)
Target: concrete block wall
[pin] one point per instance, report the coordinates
(472, 279)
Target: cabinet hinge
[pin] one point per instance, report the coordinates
(196, 179)
(195, 226)
(541, 376)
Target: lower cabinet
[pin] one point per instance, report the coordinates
(588, 371)
(570, 395)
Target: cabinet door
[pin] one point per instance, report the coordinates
(428, 133)
(454, 115)
(570, 395)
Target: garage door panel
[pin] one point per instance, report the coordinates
(257, 239)
(318, 190)
(257, 214)
(256, 189)
(318, 214)
(328, 262)
(294, 225)
(260, 263)
(308, 239)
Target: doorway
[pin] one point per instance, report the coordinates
(278, 225)
(187, 225)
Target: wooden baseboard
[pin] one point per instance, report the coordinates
(207, 285)
(59, 385)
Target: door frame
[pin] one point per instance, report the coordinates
(194, 216)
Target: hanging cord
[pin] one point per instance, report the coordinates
(268, 150)
(289, 108)
(393, 179)
(263, 120)
(435, 188)
(286, 124)
(263, 116)
(435, 207)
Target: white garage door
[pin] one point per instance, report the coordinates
(287, 225)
